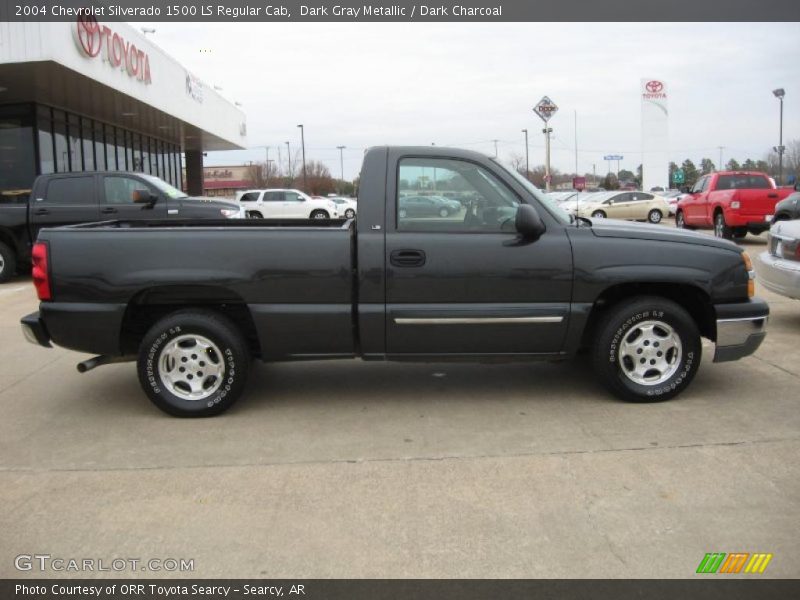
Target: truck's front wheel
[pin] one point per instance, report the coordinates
(647, 349)
(193, 363)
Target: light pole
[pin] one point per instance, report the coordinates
(289, 159)
(720, 167)
(495, 147)
(547, 131)
(341, 163)
(779, 94)
(303, 146)
(527, 164)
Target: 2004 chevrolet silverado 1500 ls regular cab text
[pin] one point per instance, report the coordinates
(507, 276)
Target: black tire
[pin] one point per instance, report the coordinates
(349, 213)
(230, 355)
(598, 214)
(622, 324)
(443, 212)
(740, 233)
(319, 214)
(8, 263)
(721, 229)
(655, 216)
(680, 221)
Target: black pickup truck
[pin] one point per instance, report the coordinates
(508, 276)
(69, 198)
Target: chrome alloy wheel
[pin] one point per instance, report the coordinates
(650, 353)
(191, 367)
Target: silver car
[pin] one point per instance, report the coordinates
(778, 268)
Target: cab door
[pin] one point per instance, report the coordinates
(620, 206)
(67, 200)
(466, 284)
(116, 202)
(695, 206)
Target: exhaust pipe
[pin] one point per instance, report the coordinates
(103, 359)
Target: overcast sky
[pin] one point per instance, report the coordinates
(364, 84)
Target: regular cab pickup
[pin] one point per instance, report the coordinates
(733, 203)
(85, 197)
(504, 275)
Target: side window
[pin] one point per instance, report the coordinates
(700, 185)
(70, 191)
(273, 196)
(726, 182)
(292, 197)
(119, 190)
(249, 197)
(642, 197)
(437, 194)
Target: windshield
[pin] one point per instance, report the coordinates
(164, 187)
(550, 204)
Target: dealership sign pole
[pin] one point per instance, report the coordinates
(546, 108)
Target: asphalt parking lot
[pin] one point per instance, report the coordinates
(350, 469)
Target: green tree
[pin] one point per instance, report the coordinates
(690, 172)
(639, 175)
(707, 166)
(749, 165)
(733, 165)
(610, 182)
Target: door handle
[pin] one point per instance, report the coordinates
(41, 211)
(773, 195)
(407, 258)
(108, 210)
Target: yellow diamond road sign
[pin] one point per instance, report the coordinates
(545, 108)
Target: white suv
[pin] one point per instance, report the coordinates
(285, 204)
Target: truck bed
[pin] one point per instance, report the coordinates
(294, 278)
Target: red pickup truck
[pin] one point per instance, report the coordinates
(730, 202)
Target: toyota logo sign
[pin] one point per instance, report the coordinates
(89, 36)
(654, 86)
(94, 39)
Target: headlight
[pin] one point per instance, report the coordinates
(230, 213)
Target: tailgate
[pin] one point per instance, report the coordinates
(757, 203)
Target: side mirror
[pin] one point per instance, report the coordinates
(143, 196)
(528, 222)
(686, 189)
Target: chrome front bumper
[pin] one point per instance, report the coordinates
(740, 329)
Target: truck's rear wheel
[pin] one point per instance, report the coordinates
(721, 230)
(193, 363)
(8, 263)
(320, 214)
(647, 349)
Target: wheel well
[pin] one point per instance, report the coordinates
(150, 305)
(8, 240)
(694, 300)
(255, 212)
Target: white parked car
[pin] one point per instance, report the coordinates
(347, 207)
(286, 204)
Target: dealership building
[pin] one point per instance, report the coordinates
(85, 96)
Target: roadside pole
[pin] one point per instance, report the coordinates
(546, 108)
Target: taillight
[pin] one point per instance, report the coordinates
(41, 272)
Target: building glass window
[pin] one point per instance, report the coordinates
(161, 163)
(44, 126)
(146, 154)
(121, 155)
(88, 144)
(111, 149)
(17, 152)
(60, 137)
(74, 138)
(100, 147)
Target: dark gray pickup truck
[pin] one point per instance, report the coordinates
(505, 275)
